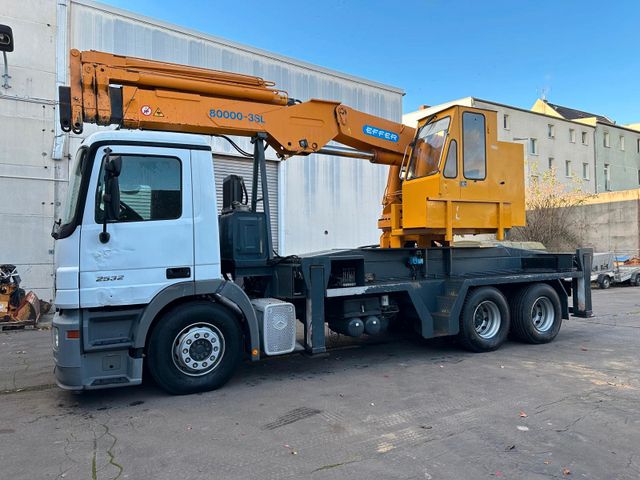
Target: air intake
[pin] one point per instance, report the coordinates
(277, 320)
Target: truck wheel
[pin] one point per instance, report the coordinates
(194, 348)
(536, 314)
(604, 282)
(635, 281)
(484, 322)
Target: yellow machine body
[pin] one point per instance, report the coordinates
(457, 179)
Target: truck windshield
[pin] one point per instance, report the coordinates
(75, 180)
(427, 151)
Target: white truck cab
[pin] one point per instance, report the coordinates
(164, 247)
(176, 218)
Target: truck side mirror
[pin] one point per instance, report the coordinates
(111, 195)
(6, 39)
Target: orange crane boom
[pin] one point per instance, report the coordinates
(164, 96)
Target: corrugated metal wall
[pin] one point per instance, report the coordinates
(223, 166)
(318, 194)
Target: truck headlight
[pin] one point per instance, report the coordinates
(56, 337)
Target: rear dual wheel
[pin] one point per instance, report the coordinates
(536, 314)
(484, 321)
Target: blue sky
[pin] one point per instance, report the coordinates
(582, 54)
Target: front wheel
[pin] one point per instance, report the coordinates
(604, 282)
(194, 348)
(484, 322)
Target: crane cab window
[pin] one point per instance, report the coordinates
(427, 151)
(150, 189)
(451, 163)
(474, 152)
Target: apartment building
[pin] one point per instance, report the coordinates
(616, 147)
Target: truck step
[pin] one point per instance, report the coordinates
(440, 324)
(445, 303)
(452, 287)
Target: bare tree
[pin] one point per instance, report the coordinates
(552, 217)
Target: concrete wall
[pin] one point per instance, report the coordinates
(611, 222)
(624, 165)
(524, 125)
(29, 177)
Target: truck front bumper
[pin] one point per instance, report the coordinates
(77, 369)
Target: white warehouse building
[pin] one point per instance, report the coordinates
(318, 202)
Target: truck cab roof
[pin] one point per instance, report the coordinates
(149, 137)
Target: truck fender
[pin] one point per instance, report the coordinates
(227, 293)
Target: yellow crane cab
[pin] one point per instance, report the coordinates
(456, 178)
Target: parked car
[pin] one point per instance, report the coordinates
(609, 268)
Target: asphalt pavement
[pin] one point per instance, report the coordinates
(404, 409)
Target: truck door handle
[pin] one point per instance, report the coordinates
(178, 272)
(463, 183)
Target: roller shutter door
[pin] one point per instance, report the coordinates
(227, 165)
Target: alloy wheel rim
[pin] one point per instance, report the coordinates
(198, 349)
(487, 319)
(542, 314)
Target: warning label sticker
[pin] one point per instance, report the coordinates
(146, 110)
(158, 113)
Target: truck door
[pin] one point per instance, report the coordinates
(150, 246)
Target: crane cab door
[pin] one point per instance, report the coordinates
(151, 245)
(432, 176)
(473, 178)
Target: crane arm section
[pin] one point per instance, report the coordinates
(145, 94)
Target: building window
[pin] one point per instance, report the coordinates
(567, 168)
(551, 131)
(639, 145)
(607, 178)
(534, 179)
(584, 138)
(638, 177)
(585, 171)
(551, 163)
(607, 142)
(506, 121)
(533, 146)
(622, 143)
(572, 135)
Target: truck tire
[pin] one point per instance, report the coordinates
(194, 347)
(536, 314)
(604, 282)
(484, 321)
(635, 280)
